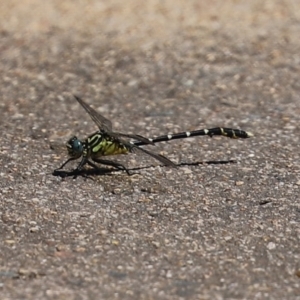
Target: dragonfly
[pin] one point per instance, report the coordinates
(105, 142)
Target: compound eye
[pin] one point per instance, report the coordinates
(77, 146)
(74, 146)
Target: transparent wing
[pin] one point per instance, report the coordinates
(135, 137)
(106, 125)
(103, 123)
(158, 157)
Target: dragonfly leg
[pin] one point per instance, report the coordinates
(83, 161)
(70, 159)
(113, 164)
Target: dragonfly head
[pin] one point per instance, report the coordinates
(75, 147)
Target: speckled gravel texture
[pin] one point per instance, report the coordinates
(206, 231)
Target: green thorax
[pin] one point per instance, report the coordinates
(101, 144)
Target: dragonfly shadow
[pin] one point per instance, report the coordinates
(209, 162)
(106, 171)
(196, 163)
(83, 173)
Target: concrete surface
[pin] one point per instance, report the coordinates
(206, 231)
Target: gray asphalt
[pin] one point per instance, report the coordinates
(223, 225)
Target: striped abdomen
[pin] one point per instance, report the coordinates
(228, 132)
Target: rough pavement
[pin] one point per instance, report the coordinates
(206, 231)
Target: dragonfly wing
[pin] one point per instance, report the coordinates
(103, 123)
(106, 125)
(158, 157)
(137, 137)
